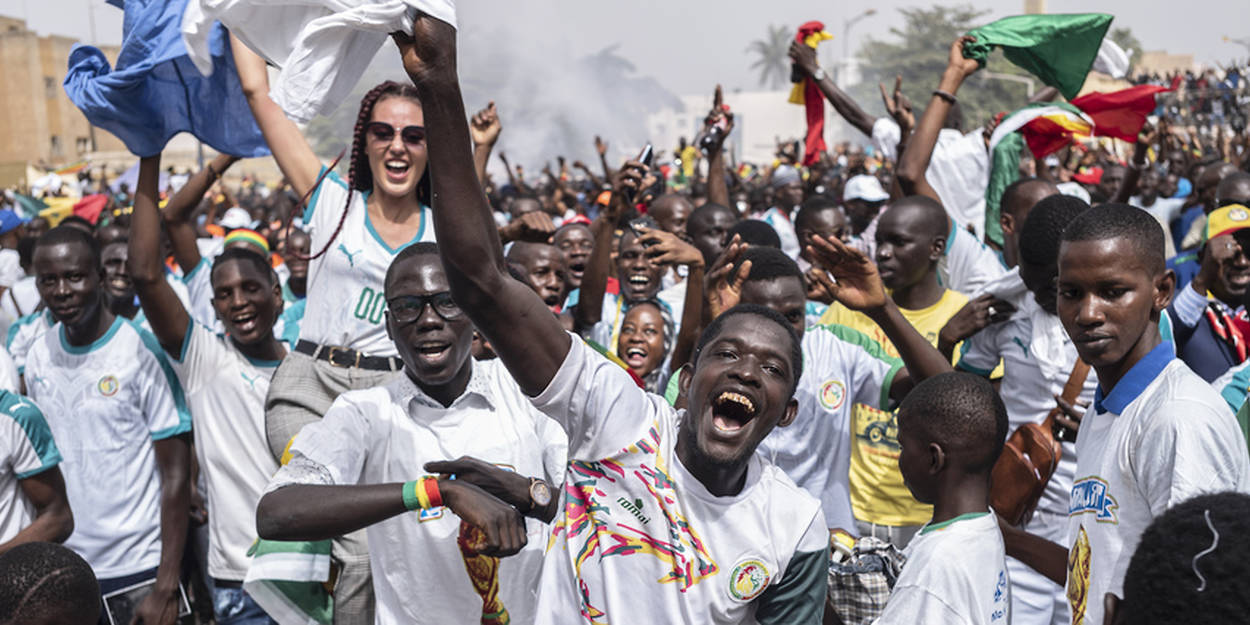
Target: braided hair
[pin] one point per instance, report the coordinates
(361, 178)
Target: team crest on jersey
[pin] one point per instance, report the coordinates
(1090, 495)
(108, 385)
(749, 579)
(832, 394)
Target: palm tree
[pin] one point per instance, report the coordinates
(773, 56)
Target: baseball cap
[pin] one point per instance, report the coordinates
(784, 175)
(864, 187)
(235, 218)
(9, 220)
(1226, 220)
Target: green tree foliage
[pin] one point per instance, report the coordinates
(918, 52)
(772, 56)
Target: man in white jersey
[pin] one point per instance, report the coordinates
(33, 506)
(668, 516)
(120, 421)
(348, 470)
(225, 379)
(1038, 357)
(951, 431)
(841, 367)
(1156, 433)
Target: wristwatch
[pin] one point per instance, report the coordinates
(540, 494)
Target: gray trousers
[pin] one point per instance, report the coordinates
(301, 392)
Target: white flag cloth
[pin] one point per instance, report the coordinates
(1111, 59)
(321, 47)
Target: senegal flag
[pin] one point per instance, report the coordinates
(1058, 49)
(1042, 127)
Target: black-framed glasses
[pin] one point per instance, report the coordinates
(408, 308)
(382, 131)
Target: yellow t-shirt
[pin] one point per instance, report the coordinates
(878, 494)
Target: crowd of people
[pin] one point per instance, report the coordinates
(678, 389)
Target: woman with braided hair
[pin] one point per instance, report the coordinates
(357, 227)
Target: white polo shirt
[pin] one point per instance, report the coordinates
(387, 434)
(26, 450)
(346, 298)
(226, 392)
(956, 572)
(841, 368)
(106, 403)
(1161, 436)
(641, 540)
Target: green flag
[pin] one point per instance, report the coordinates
(1058, 49)
(28, 207)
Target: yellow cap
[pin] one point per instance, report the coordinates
(1226, 220)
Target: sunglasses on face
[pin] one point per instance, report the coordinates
(408, 308)
(382, 131)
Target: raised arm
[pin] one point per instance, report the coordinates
(913, 163)
(856, 284)
(1141, 149)
(717, 188)
(177, 212)
(663, 249)
(804, 56)
(165, 312)
(595, 279)
(290, 149)
(485, 129)
(527, 337)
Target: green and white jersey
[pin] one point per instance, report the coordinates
(106, 403)
(26, 450)
(346, 299)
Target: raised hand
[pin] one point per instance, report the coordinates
(852, 278)
(601, 146)
(666, 248)
(899, 106)
(626, 182)
(818, 286)
(429, 51)
(722, 285)
(804, 56)
(957, 62)
(719, 115)
(534, 226)
(484, 127)
(972, 318)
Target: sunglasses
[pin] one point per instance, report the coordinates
(382, 131)
(408, 308)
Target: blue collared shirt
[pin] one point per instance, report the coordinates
(1135, 381)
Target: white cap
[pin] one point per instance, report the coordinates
(866, 188)
(235, 218)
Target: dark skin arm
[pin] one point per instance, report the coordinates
(53, 520)
(717, 188)
(804, 56)
(1043, 556)
(601, 147)
(913, 163)
(972, 318)
(173, 461)
(899, 108)
(181, 207)
(165, 312)
(508, 486)
(595, 278)
(318, 512)
(1133, 174)
(527, 337)
(664, 248)
(857, 286)
(595, 181)
(485, 128)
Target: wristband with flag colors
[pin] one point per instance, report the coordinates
(422, 494)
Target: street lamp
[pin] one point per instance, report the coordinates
(846, 39)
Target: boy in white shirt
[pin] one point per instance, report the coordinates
(225, 378)
(951, 430)
(121, 423)
(1156, 434)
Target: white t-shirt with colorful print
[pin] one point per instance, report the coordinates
(641, 540)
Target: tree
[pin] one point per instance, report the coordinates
(1124, 38)
(773, 56)
(918, 52)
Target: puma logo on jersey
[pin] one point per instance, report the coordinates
(351, 260)
(1024, 348)
(251, 381)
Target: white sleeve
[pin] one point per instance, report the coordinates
(329, 451)
(597, 403)
(200, 292)
(162, 401)
(31, 449)
(885, 136)
(1190, 448)
(325, 207)
(8, 373)
(201, 358)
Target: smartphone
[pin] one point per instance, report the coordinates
(646, 155)
(638, 223)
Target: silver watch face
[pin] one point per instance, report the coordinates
(540, 493)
